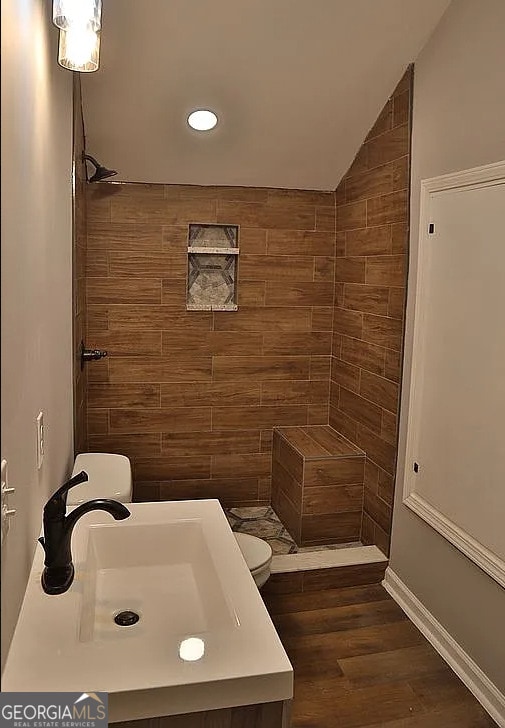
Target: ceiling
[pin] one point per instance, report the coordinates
(296, 85)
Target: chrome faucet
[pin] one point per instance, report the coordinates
(58, 573)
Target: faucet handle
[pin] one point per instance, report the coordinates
(57, 503)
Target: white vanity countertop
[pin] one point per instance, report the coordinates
(178, 564)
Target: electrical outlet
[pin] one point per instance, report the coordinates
(40, 439)
(6, 512)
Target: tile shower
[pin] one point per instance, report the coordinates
(193, 396)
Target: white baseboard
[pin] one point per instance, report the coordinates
(467, 670)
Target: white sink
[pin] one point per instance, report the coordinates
(151, 569)
(177, 566)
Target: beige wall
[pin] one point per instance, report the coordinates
(459, 122)
(36, 279)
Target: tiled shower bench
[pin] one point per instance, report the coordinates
(317, 484)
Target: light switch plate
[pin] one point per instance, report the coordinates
(4, 475)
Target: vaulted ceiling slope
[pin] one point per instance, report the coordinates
(296, 84)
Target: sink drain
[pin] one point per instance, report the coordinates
(126, 618)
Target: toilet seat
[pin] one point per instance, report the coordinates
(256, 552)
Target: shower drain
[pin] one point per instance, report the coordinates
(127, 618)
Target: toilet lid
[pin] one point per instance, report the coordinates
(109, 476)
(255, 551)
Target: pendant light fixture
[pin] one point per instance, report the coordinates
(79, 50)
(81, 13)
(79, 22)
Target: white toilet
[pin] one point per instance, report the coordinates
(258, 556)
(110, 476)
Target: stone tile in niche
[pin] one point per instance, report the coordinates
(211, 271)
(211, 281)
(213, 236)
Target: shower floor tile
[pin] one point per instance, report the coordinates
(263, 521)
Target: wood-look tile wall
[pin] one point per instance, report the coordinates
(79, 270)
(192, 397)
(372, 217)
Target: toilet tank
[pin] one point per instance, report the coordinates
(110, 476)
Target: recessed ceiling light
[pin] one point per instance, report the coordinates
(202, 120)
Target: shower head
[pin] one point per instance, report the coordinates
(100, 172)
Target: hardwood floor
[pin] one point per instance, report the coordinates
(359, 661)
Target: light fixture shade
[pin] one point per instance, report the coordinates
(202, 120)
(79, 50)
(77, 13)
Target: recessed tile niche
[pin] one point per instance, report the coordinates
(212, 268)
